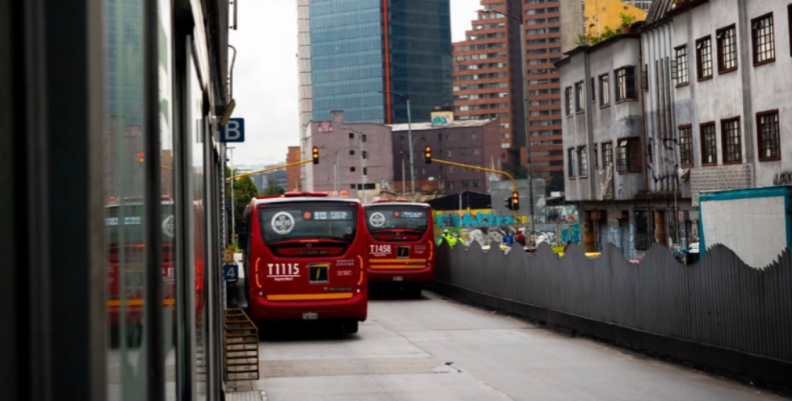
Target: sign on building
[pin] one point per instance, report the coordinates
(234, 131)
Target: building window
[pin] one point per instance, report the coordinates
(682, 72)
(596, 156)
(474, 135)
(628, 155)
(625, 84)
(686, 145)
(449, 153)
(364, 154)
(709, 145)
(352, 186)
(450, 169)
(727, 49)
(351, 152)
(704, 58)
(365, 170)
(607, 154)
(476, 151)
(732, 148)
(768, 132)
(352, 169)
(593, 93)
(363, 138)
(476, 184)
(582, 161)
(572, 162)
(351, 135)
(465, 184)
(579, 97)
(604, 90)
(568, 98)
(763, 39)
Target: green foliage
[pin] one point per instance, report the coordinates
(244, 190)
(556, 183)
(608, 32)
(274, 190)
(520, 173)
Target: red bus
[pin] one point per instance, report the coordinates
(401, 243)
(126, 262)
(305, 259)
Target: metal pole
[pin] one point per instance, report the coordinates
(527, 131)
(404, 178)
(233, 205)
(409, 137)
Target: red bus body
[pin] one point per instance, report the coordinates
(126, 261)
(401, 249)
(304, 259)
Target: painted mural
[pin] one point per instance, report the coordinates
(480, 225)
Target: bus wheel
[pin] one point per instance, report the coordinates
(349, 327)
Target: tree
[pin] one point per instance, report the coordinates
(274, 190)
(244, 190)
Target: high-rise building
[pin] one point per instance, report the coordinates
(293, 173)
(354, 55)
(488, 76)
(488, 72)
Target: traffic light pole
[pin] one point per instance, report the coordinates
(267, 170)
(488, 170)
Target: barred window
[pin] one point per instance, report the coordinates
(593, 92)
(686, 145)
(568, 98)
(732, 147)
(763, 39)
(607, 154)
(709, 145)
(628, 155)
(579, 97)
(582, 161)
(704, 58)
(727, 49)
(571, 161)
(769, 139)
(682, 72)
(625, 84)
(604, 90)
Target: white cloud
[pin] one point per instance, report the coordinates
(265, 75)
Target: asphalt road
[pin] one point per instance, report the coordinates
(439, 350)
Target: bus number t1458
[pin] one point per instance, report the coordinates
(377, 249)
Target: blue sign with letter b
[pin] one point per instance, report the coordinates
(234, 131)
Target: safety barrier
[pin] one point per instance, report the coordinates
(719, 313)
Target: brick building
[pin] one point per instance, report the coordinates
(293, 173)
(472, 142)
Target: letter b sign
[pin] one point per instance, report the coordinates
(234, 131)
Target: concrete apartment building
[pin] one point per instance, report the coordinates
(715, 98)
(357, 157)
(472, 142)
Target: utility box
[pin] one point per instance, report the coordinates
(753, 222)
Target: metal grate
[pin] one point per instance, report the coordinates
(241, 346)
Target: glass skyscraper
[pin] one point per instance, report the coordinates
(352, 57)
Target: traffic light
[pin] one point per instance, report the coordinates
(515, 201)
(141, 157)
(428, 155)
(315, 155)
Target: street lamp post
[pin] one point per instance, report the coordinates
(525, 113)
(409, 138)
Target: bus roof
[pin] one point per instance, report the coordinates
(400, 203)
(303, 199)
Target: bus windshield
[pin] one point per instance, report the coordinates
(282, 223)
(397, 222)
(124, 224)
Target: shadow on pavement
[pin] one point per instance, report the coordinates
(304, 331)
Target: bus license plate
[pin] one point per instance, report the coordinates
(310, 316)
(398, 278)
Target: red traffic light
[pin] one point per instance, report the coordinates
(428, 155)
(315, 155)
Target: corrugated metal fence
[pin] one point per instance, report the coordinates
(719, 302)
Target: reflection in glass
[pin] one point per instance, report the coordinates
(124, 190)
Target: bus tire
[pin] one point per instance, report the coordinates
(349, 327)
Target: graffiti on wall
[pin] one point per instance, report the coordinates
(470, 219)
(783, 178)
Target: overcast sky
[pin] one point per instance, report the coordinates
(265, 75)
